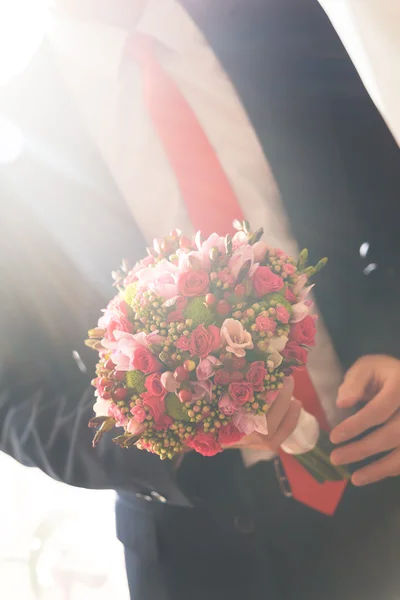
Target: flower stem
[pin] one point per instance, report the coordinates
(317, 461)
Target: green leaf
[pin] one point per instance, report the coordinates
(303, 257)
(320, 265)
(175, 408)
(127, 440)
(198, 311)
(244, 271)
(136, 380)
(97, 421)
(256, 236)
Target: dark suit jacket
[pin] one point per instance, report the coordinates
(337, 168)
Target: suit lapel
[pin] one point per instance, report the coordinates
(303, 95)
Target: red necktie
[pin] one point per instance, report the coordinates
(212, 206)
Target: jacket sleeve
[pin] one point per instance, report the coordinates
(46, 400)
(47, 427)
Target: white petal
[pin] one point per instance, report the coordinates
(300, 311)
(101, 407)
(278, 343)
(275, 358)
(306, 291)
(233, 327)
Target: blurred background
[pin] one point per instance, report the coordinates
(56, 542)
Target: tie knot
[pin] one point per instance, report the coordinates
(140, 47)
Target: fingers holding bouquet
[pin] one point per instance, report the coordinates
(372, 384)
(282, 420)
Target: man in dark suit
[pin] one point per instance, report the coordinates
(212, 528)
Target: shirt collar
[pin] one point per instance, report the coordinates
(100, 48)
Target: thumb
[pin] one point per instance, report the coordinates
(355, 384)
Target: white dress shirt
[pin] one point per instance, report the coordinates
(110, 102)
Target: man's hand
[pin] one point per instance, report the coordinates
(282, 419)
(374, 380)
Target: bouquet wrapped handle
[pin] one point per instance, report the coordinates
(311, 446)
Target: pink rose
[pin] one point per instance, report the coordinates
(163, 422)
(304, 332)
(271, 396)
(229, 434)
(204, 444)
(247, 422)
(295, 352)
(241, 392)
(206, 367)
(226, 405)
(282, 314)
(135, 427)
(260, 250)
(156, 405)
(265, 281)
(280, 253)
(203, 340)
(256, 375)
(222, 377)
(236, 338)
(125, 346)
(182, 343)
(143, 360)
(162, 279)
(237, 376)
(265, 324)
(145, 262)
(138, 413)
(289, 269)
(194, 283)
(290, 297)
(154, 386)
(116, 413)
(119, 323)
(115, 318)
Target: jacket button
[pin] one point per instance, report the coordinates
(144, 497)
(244, 524)
(158, 497)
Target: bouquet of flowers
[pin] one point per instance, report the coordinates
(194, 348)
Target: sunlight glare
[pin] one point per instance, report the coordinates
(22, 26)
